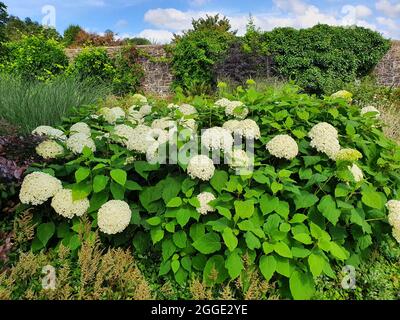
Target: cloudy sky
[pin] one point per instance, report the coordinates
(157, 20)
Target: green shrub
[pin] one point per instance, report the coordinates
(35, 58)
(195, 53)
(122, 72)
(294, 220)
(93, 63)
(70, 34)
(323, 58)
(27, 104)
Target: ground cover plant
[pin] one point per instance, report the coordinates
(322, 190)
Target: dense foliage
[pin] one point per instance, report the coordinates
(70, 34)
(322, 58)
(35, 58)
(197, 50)
(293, 219)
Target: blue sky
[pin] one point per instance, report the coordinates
(159, 19)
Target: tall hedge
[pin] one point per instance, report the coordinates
(323, 58)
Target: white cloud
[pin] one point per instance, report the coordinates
(392, 27)
(156, 36)
(389, 8)
(295, 6)
(122, 23)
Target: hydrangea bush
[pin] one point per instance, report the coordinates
(315, 194)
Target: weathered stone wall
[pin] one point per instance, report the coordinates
(388, 70)
(157, 72)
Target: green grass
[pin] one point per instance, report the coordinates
(26, 105)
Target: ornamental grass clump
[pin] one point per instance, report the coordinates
(312, 198)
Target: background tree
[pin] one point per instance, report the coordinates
(16, 28)
(71, 33)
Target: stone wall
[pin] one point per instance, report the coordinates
(157, 73)
(388, 70)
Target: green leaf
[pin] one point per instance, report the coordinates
(283, 209)
(230, 239)
(338, 251)
(305, 200)
(234, 264)
(81, 174)
(168, 249)
(252, 241)
(74, 243)
(301, 285)
(174, 202)
(268, 203)
(303, 238)
(209, 243)
(283, 250)
(171, 189)
(99, 183)
(183, 216)
(327, 206)
(117, 190)
(316, 263)
(45, 231)
(244, 209)
(276, 186)
(180, 239)
(165, 267)
(119, 176)
(224, 212)
(154, 221)
(186, 263)
(298, 218)
(283, 266)
(156, 235)
(267, 266)
(299, 252)
(132, 186)
(175, 265)
(143, 168)
(372, 199)
(219, 180)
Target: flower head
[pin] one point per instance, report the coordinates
(324, 138)
(80, 127)
(217, 139)
(350, 155)
(283, 146)
(344, 95)
(112, 115)
(49, 149)
(187, 109)
(38, 187)
(393, 207)
(238, 159)
(138, 99)
(114, 216)
(205, 198)
(246, 128)
(66, 206)
(78, 141)
(356, 172)
(145, 110)
(201, 167)
(370, 109)
(49, 132)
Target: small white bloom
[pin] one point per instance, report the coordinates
(65, 206)
(138, 99)
(172, 106)
(49, 132)
(217, 139)
(201, 167)
(283, 146)
(370, 109)
(356, 172)
(205, 198)
(237, 110)
(246, 128)
(139, 139)
(49, 149)
(238, 159)
(163, 123)
(135, 117)
(324, 138)
(393, 207)
(189, 124)
(114, 217)
(78, 141)
(80, 127)
(113, 115)
(187, 109)
(145, 110)
(38, 187)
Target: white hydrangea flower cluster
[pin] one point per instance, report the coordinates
(49, 149)
(139, 99)
(233, 108)
(324, 138)
(205, 198)
(348, 154)
(145, 110)
(80, 127)
(368, 109)
(172, 106)
(153, 140)
(190, 124)
(343, 94)
(38, 187)
(217, 138)
(187, 109)
(248, 128)
(393, 207)
(163, 123)
(356, 172)
(78, 141)
(137, 116)
(65, 206)
(114, 217)
(49, 132)
(126, 134)
(283, 146)
(201, 167)
(238, 159)
(112, 115)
